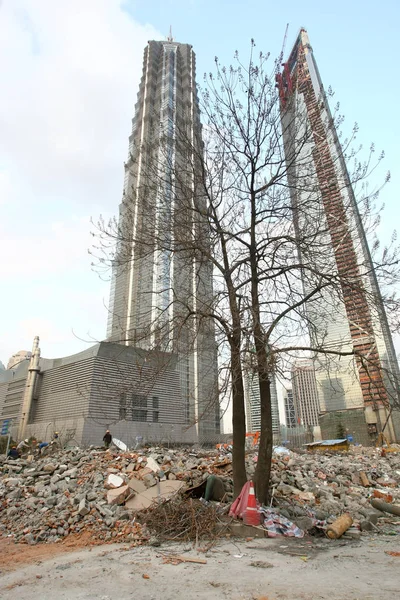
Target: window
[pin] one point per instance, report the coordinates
(156, 403)
(139, 415)
(139, 408)
(139, 401)
(155, 416)
(122, 407)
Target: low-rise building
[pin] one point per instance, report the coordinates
(133, 392)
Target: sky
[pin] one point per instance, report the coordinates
(69, 73)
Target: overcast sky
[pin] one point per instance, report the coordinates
(69, 73)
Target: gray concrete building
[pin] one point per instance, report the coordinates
(133, 392)
(158, 280)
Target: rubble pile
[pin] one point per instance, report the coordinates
(91, 490)
(308, 487)
(116, 495)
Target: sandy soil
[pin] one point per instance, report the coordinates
(14, 555)
(260, 569)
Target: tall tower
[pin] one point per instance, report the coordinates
(158, 280)
(305, 393)
(352, 318)
(290, 409)
(253, 404)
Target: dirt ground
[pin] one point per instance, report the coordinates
(14, 555)
(258, 569)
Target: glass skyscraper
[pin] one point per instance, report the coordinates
(347, 313)
(159, 283)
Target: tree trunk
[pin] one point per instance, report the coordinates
(263, 469)
(238, 422)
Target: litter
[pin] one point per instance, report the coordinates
(120, 445)
(278, 525)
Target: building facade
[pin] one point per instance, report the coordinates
(132, 392)
(290, 409)
(305, 393)
(253, 406)
(345, 313)
(160, 284)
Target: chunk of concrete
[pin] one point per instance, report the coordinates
(386, 482)
(49, 468)
(136, 485)
(83, 508)
(139, 502)
(149, 481)
(162, 491)
(118, 495)
(113, 481)
(144, 471)
(152, 464)
(353, 533)
(366, 525)
(72, 473)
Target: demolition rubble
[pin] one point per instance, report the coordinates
(161, 494)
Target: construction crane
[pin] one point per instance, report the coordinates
(284, 43)
(282, 81)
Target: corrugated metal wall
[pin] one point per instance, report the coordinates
(116, 385)
(65, 392)
(128, 390)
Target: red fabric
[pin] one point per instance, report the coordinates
(239, 506)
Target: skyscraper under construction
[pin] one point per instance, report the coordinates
(159, 285)
(350, 320)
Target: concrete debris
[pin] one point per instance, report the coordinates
(118, 495)
(83, 508)
(113, 481)
(386, 482)
(149, 480)
(261, 564)
(324, 486)
(163, 491)
(353, 533)
(78, 490)
(136, 485)
(153, 465)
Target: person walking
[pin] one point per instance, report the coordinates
(107, 438)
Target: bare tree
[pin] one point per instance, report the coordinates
(250, 204)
